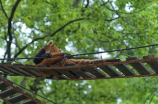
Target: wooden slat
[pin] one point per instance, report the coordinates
(45, 70)
(72, 72)
(5, 67)
(141, 69)
(139, 66)
(15, 69)
(7, 92)
(17, 98)
(11, 70)
(93, 70)
(109, 70)
(152, 64)
(78, 72)
(32, 71)
(131, 58)
(62, 77)
(57, 77)
(3, 85)
(4, 70)
(51, 74)
(124, 69)
(22, 71)
(66, 72)
(91, 75)
(5, 100)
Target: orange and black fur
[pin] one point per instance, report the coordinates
(52, 50)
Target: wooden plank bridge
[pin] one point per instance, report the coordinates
(132, 67)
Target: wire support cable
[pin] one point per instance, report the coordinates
(85, 53)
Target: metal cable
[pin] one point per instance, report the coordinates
(84, 53)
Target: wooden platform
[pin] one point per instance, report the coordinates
(132, 67)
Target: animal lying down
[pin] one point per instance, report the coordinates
(51, 50)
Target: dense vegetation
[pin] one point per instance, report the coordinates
(82, 26)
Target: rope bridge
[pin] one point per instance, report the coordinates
(86, 71)
(132, 67)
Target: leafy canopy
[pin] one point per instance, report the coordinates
(82, 26)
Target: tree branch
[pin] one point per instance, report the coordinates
(34, 87)
(51, 92)
(11, 17)
(23, 82)
(147, 98)
(5, 55)
(104, 3)
(112, 19)
(7, 41)
(103, 40)
(66, 25)
(128, 12)
(3, 38)
(75, 4)
(40, 38)
(16, 41)
(10, 27)
(48, 2)
(151, 98)
(3, 9)
(86, 6)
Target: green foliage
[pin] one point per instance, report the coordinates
(84, 28)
